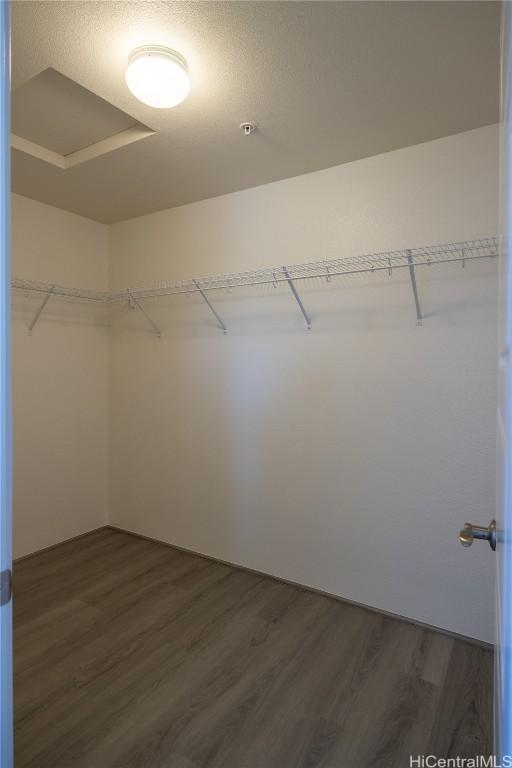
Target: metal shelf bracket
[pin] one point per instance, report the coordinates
(211, 308)
(134, 303)
(39, 311)
(297, 298)
(412, 274)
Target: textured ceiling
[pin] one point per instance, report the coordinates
(327, 82)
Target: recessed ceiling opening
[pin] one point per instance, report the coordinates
(58, 120)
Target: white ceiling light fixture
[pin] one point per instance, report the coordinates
(158, 76)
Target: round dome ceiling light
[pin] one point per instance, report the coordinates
(158, 76)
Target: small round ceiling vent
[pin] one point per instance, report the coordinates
(248, 127)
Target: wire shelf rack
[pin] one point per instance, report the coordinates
(407, 258)
(327, 269)
(36, 286)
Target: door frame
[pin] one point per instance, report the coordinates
(6, 698)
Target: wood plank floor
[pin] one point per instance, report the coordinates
(130, 654)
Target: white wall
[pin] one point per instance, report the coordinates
(60, 384)
(346, 458)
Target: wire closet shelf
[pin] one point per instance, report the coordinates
(407, 258)
(327, 269)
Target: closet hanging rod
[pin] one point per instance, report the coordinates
(326, 270)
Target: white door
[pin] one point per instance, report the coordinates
(503, 679)
(6, 729)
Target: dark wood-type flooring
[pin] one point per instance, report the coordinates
(131, 654)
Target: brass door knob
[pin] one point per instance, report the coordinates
(470, 532)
